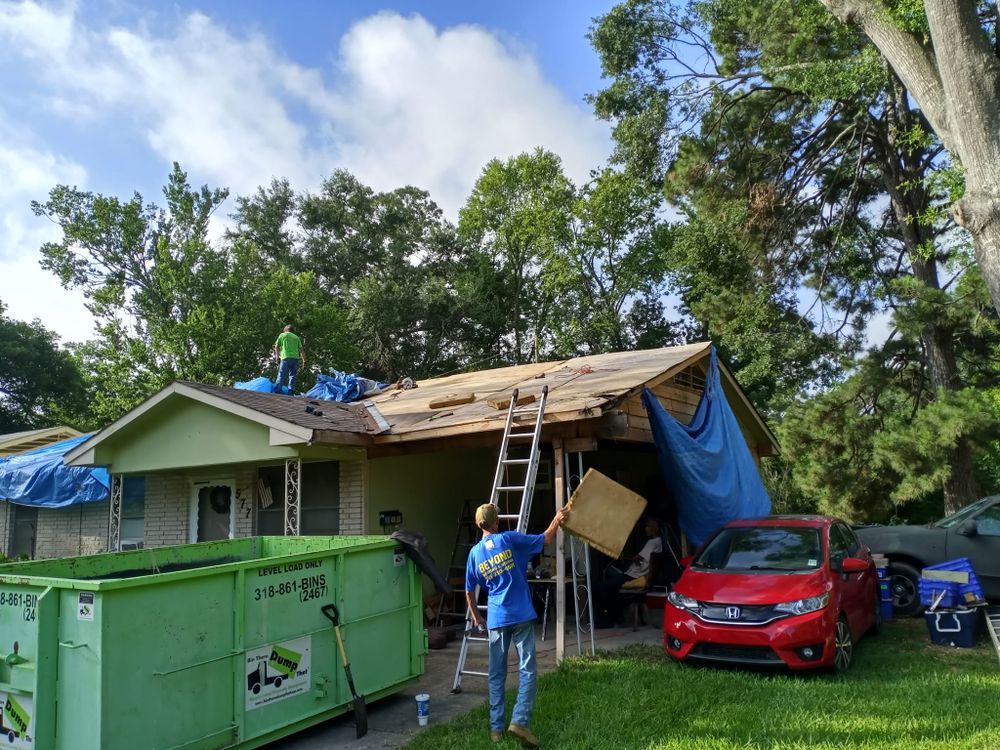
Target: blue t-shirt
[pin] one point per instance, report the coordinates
(499, 564)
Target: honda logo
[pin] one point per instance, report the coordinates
(733, 613)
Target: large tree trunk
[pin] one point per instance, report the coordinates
(954, 77)
(902, 176)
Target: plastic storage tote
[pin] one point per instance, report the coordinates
(203, 646)
(954, 592)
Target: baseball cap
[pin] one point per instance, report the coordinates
(486, 515)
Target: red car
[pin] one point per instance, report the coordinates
(791, 591)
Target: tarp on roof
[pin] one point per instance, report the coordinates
(706, 464)
(40, 478)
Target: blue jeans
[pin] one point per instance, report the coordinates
(522, 636)
(289, 369)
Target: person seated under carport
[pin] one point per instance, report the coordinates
(607, 607)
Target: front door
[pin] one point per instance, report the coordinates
(213, 515)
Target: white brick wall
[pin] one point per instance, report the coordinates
(353, 496)
(168, 504)
(246, 505)
(67, 532)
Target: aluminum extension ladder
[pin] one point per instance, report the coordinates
(513, 488)
(993, 625)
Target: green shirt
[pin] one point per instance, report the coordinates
(289, 345)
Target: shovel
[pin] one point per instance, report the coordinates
(360, 709)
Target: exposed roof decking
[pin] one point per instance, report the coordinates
(573, 391)
(28, 440)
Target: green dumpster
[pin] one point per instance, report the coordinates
(201, 646)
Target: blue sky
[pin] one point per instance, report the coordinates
(105, 95)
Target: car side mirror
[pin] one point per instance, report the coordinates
(969, 528)
(686, 561)
(853, 565)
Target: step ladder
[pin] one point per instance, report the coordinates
(452, 606)
(993, 625)
(513, 488)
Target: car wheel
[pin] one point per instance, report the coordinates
(843, 646)
(903, 579)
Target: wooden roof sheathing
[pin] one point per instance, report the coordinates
(577, 387)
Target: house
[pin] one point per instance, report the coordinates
(52, 509)
(220, 462)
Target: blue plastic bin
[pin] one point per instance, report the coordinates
(956, 591)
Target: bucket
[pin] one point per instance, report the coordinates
(423, 708)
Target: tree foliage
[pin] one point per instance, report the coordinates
(40, 384)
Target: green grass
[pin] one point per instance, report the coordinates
(901, 692)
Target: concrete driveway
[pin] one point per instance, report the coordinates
(392, 721)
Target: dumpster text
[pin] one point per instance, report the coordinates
(20, 600)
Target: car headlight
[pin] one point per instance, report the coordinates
(683, 602)
(803, 606)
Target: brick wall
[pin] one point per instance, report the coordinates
(353, 496)
(246, 493)
(67, 532)
(168, 504)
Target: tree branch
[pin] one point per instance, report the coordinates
(913, 62)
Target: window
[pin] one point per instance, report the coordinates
(23, 530)
(132, 528)
(843, 543)
(784, 548)
(320, 490)
(988, 523)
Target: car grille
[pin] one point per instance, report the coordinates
(748, 615)
(728, 652)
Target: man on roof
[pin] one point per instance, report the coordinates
(291, 353)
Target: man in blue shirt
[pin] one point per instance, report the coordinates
(499, 563)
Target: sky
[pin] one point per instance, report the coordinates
(105, 95)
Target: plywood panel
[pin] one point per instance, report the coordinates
(603, 513)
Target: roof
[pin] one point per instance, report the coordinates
(286, 416)
(29, 440)
(580, 387)
(457, 405)
(808, 521)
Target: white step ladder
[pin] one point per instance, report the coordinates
(993, 625)
(511, 493)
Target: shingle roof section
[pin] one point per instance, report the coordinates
(336, 417)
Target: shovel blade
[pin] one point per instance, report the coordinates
(360, 716)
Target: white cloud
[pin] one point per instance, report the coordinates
(28, 291)
(403, 102)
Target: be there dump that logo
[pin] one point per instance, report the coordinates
(284, 660)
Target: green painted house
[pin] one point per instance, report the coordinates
(222, 463)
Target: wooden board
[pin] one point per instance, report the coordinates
(603, 513)
(503, 402)
(455, 399)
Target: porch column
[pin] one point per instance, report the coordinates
(115, 516)
(560, 493)
(293, 496)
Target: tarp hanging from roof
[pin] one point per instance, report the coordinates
(706, 464)
(40, 478)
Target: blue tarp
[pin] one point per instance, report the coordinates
(341, 386)
(40, 478)
(706, 464)
(262, 385)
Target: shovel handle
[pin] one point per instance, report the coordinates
(332, 614)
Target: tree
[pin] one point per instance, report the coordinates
(606, 279)
(794, 125)
(945, 54)
(170, 304)
(40, 384)
(519, 215)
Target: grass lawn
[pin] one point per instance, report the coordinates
(901, 692)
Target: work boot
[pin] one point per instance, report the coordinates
(524, 734)
(496, 736)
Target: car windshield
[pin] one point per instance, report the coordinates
(969, 510)
(778, 548)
